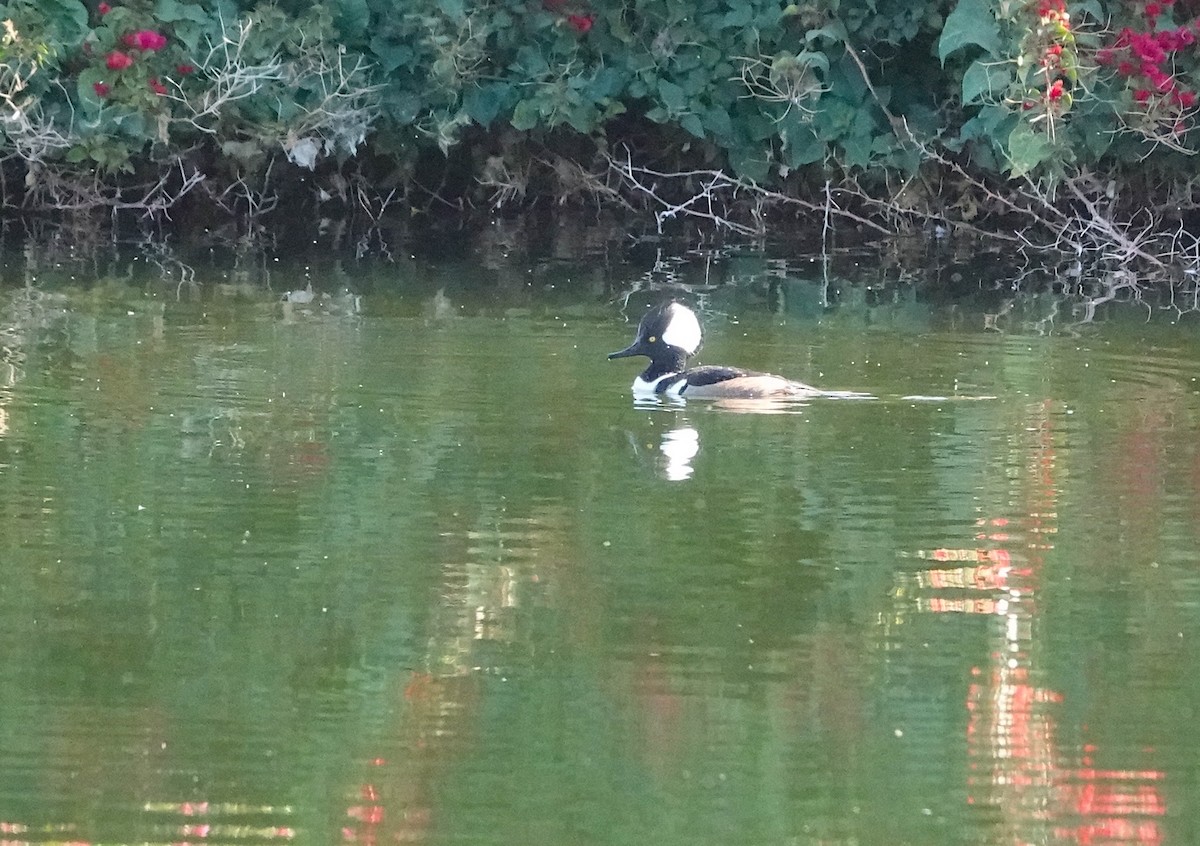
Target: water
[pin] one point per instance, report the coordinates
(406, 563)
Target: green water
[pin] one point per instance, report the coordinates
(408, 564)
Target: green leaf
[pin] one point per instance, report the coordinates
(485, 102)
(834, 117)
(526, 115)
(582, 120)
(401, 106)
(68, 18)
(1091, 7)
(531, 63)
(984, 79)
(172, 11)
(758, 126)
(739, 17)
(989, 123)
(605, 83)
(452, 8)
(801, 146)
(673, 97)
(1027, 148)
(693, 124)
(131, 124)
(717, 122)
(88, 77)
(970, 23)
(390, 54)
(857, 150)
(750, 162)
(1097, 136)
(352, 18)
(833, 33)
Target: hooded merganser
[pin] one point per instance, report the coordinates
(669, 334)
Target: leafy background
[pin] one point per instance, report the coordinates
(526, 100)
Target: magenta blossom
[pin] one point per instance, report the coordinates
(145, 39)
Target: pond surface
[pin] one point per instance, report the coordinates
(401, 560)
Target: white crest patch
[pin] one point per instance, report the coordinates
(683, 329)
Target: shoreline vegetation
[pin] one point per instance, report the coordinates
(1053, 128)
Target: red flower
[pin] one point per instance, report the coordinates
(104, 9)
(117, 60)
(1187, 99)
(184, 70)
(101, 89)
(1125, 69)
(1141, 95)
(581, 23)
(1056, 90)
(1168, 41)
(1153, 10)
(145, 39)
(157, 87)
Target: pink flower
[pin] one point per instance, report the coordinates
(1168, 41)
(581, 23)
(101, 89)
(1141, 95)
(157, 87)
(104, 9)
(117, 60)
(184, 70)
(1187, 99)
(1153, 10)
(145, 39)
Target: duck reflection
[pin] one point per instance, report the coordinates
(670, 455)
(678, 448)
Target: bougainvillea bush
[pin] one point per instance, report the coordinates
(934, 108)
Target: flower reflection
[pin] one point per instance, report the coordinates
(1027, 777)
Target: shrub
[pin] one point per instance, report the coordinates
(865, 95)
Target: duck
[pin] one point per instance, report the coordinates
(668, 335)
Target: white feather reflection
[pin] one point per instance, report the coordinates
(678, 447)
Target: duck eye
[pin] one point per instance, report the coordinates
(652, 339)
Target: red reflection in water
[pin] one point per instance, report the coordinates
(1016, 764)
(222, 826)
